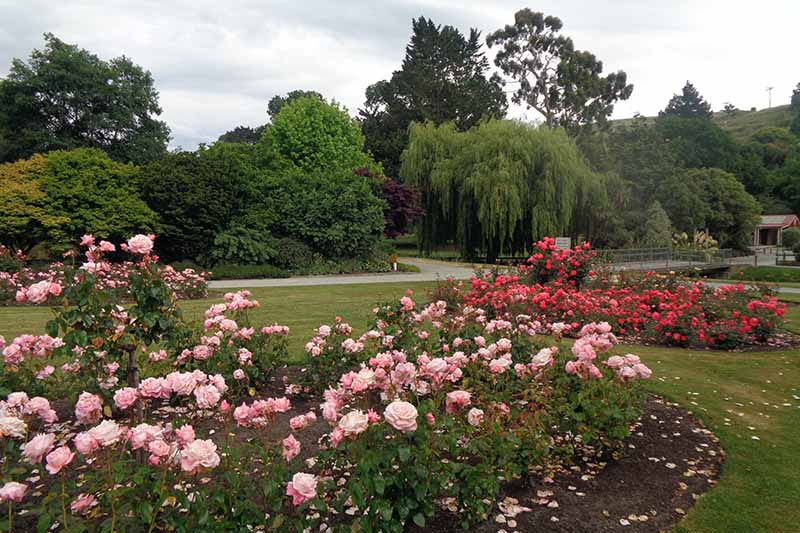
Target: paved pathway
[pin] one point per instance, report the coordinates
(785, 290)
(430, 270)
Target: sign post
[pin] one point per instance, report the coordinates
(563, 243)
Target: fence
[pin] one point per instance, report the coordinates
(786, 257)
(666, 258)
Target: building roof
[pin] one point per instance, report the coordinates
(779, 221)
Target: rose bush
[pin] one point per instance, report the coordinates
(173, 426)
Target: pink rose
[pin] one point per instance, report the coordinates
(615, 362)
(199, 454)
(39, 445)
(475, 416)
(88, 409)
(291, 447)
(185, 434)
(152, 388)
(159, 448)
(125, 397)
(457, 400)
(106, 433)
(181, 383)
(85, 443)
(58, 459)
(643, 371)
(498, 366)
(142, 434)
(353, 423)
(238, 374)
(13, 491)
(11, 426)
(140, 244)
(39, 292)
(207, 396)
(82, 503)
(401, 415)
(302, 487)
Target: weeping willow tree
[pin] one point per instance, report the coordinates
(495, 188)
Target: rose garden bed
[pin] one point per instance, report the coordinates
(433, 418)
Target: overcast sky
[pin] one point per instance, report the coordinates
(217, 63)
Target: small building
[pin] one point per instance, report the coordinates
(770, 231)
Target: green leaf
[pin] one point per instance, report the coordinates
(404, 452)
(419, 519)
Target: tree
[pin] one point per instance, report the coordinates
(277, 102)
(197, 195)
(698, 142)
(688, 104)
(730, 109)
(24, 218)
(731, 213)
(65, 97)
(794, 108)
(243, 134)
(565, 85)
(56, 198)
(495, 188)
(402, 205)
(313, 135)
(657, 229)
(443, 78)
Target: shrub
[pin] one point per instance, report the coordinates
(791, 237)
(243, 246)
(292, 254)
(225, 271)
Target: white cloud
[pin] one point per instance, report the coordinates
(217, 64)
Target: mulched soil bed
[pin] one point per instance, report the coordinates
(670, 460)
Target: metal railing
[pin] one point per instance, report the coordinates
(666, 258)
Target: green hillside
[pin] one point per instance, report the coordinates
(741, 124)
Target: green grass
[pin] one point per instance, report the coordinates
(772, 274)
(300, 308)
(732, 393)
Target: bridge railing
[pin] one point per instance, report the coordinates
(658, 258)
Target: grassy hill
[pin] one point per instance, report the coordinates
(741, 124)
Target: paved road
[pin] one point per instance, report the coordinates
(429, 271)
(785, 290)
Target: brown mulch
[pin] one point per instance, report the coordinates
(670, 460)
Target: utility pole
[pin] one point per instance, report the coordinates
(769, 90)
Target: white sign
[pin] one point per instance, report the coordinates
(563, 243)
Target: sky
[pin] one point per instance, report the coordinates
(217, 63)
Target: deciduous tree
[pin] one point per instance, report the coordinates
(565, 85)
(65, 97)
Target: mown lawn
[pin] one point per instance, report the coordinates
(739, 396)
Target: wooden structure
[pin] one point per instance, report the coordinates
(770, 231)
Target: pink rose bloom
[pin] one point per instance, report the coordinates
(291, 447)
(330, 411)
(437, 366)
(140, 244)
(46, 372)
(106, 246)
(302, 487)
(406, 303)
(85, 443)
(238, 374)
(13, 491)
(159, 448)
(152, 388)
(41, 407)
(571, 367)
(88, 409)
(337, 436)
(401, 415)
(430, 418)
(218, 382)
(185, 434)
(615, 362)
(298, 422)
(498, 366)
(11, 426)
(181, 383)
(643, 371)
(207, 396)
(631, 359)
(39, 445)
(87, 240)
(125, 397)
(627, 373)
(475, 416)
(353, 423)
(106, 433)
(157, 356)
(58, 459)
(17, 399)
(457, 400)
(201, 352)
(39, 292)
(13, 354)
(54, 289)
(199, 454)
(82, 503)
(142, 434)
(542, 359)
